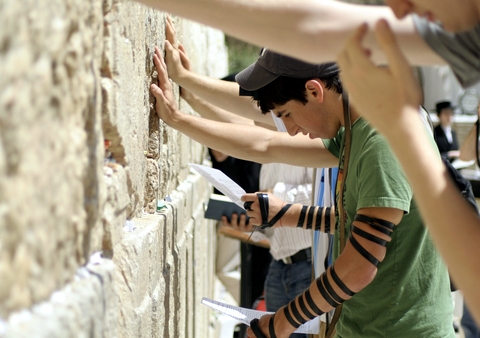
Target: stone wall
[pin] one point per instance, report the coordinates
(83, 252)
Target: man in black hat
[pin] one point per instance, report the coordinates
(445, 136)
(389, 273)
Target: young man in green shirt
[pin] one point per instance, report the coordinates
(389, 277)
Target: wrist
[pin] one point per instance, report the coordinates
(281, 324)
(181, 77)
(292, 215)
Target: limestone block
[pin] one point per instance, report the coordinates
(132, 259)
(74, 74)
(151, 186)
(204, 250)
(181, 313)
(47, 87)
(86, 307)
(118, 199)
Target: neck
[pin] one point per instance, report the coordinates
(354, 115)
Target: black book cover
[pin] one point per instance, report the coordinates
(220, 205)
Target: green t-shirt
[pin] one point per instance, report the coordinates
(410, 295)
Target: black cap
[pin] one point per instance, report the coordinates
(271, 65)
(444, 105)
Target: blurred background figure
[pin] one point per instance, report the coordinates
(445, 136)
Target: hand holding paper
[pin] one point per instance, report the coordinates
(222, 182)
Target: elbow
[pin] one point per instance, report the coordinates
(362, 278)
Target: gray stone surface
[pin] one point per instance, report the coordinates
(72, 75)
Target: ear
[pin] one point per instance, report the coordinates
(315, 89)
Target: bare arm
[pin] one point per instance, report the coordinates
(389, 99)
(352, 268)
(214, 113)
(253, 143)
(307, 29)
(247, 142)
(223, 94)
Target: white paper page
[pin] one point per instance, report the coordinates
(246, 315)
(222, 182)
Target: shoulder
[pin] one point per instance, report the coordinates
(460, 50)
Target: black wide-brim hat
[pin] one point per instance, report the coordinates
(443, 105)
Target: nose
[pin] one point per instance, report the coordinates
(400, 8)
(292, 128)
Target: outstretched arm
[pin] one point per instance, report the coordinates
(198, 89)
(307, 29)
(389, 99)
(352, 271)
(238, 140)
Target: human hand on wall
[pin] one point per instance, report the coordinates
(165, 105)
(176, 57)
(177, 62)
(171, 32)
(381, 94)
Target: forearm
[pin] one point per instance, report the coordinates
(215, 113)
(311, 30)
(223, 94)
(254, 143)
(310, 218)
(339, 283)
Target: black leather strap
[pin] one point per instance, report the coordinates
(367, 255)
(369, 236)
(325, 294)
(330, 289)
(339, 282)
(327, 220)
(256, 328)
(277, 216)
(301, 218)
(271, 327)
(304, 308)
(299, 256)
(310, 217)
(312, 304)
(263, 202)
(376, 222)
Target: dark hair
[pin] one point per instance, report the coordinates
(284, 89)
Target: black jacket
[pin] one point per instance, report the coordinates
(442, 142)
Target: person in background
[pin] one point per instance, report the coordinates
(445, 136)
